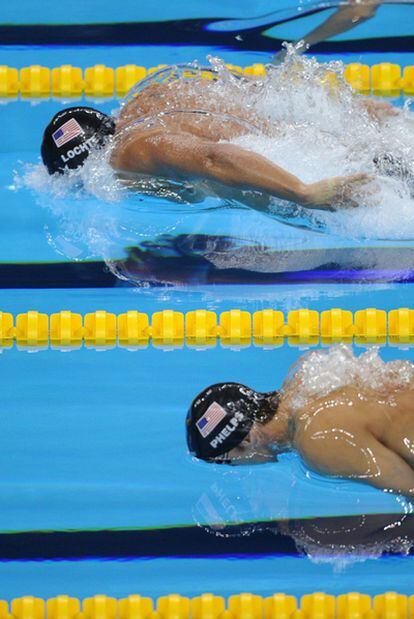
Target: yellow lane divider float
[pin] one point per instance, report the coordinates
(201, 328)
(100, 81)
(209, 606)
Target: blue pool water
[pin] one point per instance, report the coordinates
(93, 442)
(98, 492)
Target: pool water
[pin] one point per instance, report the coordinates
(100, 494)
(97, 489)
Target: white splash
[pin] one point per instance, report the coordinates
(95, 178)
(319, 373)
(321, 131)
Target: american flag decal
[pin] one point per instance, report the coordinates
(66, 132)
(211, 418)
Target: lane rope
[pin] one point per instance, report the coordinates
(100, 81)
(201, 328)
(209, 606)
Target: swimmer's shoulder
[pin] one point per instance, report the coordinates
(404, 399)
(131, 151)
(321, 413)
(140, 105)
(331, 432)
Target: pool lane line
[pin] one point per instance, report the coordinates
(384, 534)
(184, 32)
(177, 30)
(201, 31)
(186, 271)
(56, 275)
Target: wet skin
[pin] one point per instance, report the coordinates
(186, 146)
(351, 433)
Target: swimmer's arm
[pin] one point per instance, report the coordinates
(344, 19)
(378, 110)
(395, 475)
(367, 461)
(391, 473)
(187, 156)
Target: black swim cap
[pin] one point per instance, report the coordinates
(70, 136)
(222, 416)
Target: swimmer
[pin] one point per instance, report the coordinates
(191, 147)
(351, 433)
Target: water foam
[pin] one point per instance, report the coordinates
(322, 131)
(319, 373)
(95, 178)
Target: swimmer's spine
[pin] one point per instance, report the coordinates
(201, 328)
(100, 81)
(209, 606)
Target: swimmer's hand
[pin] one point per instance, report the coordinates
(335, 193)
(379, 110)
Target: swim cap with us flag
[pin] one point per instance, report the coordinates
(222, 415)
(71, 135)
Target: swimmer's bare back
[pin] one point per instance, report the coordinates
(366, 437)
(187, 148)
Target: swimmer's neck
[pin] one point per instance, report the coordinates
(281, 429)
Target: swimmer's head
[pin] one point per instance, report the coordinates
(225, 424)
(71, 135)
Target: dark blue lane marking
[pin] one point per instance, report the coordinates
(185, 32)
(69, 275)
(182, 32)
(96, 275)
(386, 534)
(185, 259)
(343, 276)
(56, 275)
